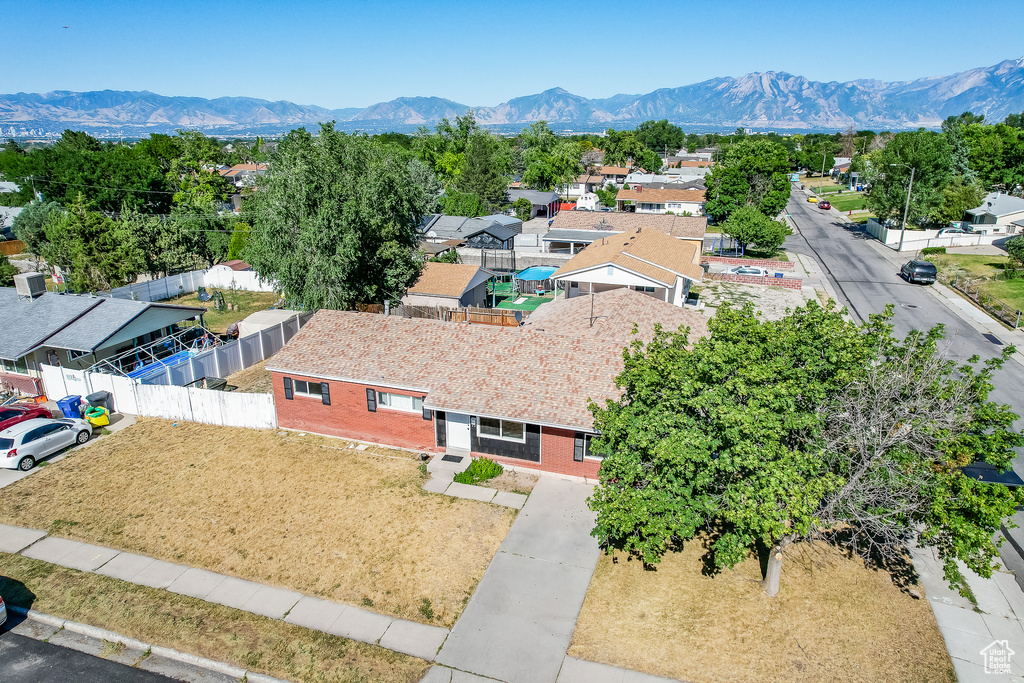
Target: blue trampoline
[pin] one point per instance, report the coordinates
(535, 280)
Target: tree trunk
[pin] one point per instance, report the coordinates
(774, 572)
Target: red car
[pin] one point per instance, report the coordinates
(19, 412)
(824, 205)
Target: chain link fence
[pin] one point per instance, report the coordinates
(972, 289)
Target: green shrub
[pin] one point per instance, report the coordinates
(933, 250)
(481, 469)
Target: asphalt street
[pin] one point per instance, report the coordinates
(25, 660)
(866, 281)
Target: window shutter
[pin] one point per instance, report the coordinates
(577, 448)
(288, 388)
(371, 400)
(325, 393)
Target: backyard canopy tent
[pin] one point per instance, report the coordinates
(260, 320)
(534, 278)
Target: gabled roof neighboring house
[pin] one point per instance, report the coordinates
(610, 315)
(660, 196)
(442, 228)
(645, 260)
(999, 208)
(449, 284)
(681, 227)
(83, 324)
(646, 252)
(608, 171)
(535, 197)
(661, 201)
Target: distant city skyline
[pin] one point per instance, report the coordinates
(482, 54)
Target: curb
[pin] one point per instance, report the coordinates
(165, 652)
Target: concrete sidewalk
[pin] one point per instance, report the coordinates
(969, 629)
(419, 640)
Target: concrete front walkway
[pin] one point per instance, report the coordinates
(347, 621)
(520, 620)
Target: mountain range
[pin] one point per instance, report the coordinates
(763, 101)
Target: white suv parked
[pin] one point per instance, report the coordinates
(24, 444)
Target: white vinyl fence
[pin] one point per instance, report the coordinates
(188, 404)
(164, 395)
(186, 283)
(919, 239)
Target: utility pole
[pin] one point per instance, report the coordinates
(822, 178)
(906, 207)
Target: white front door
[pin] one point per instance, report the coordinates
(457, 426)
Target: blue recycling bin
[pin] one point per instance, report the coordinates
(70, 406)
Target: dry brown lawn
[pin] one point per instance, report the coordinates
(186, 624)
(513, 482)
(252, 380)
(302, 512)
(834, 620)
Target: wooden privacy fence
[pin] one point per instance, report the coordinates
(481, 316)
(488, 316)
(12, 247)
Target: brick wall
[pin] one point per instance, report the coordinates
(764, 263)
(788, 283)
(348, 417)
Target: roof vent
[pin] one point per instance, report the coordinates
(30, 285)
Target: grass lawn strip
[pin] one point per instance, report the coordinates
(833, 620)
(201, 628)
(306, 513)
(246, 302)
(985, 266)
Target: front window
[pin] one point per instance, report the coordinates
(304, 388)
(17, 366)
(409, 404)
(75, 355)
(493, 428)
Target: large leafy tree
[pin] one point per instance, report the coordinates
(752, 172)
(771, 433)
(444, 149)
(750, 227)
(335, 224)
(97, 252)
(930, 156)
(485, 170)
(30, 225)
(624, 148)
(996, 155)
(661, 136)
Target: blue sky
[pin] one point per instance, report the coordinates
(345, 54)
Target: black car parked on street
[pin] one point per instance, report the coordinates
(919, 271)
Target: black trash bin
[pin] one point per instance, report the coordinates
(102, 399)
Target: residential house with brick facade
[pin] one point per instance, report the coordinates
(516, 396)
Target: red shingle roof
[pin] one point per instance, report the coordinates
(484, 370)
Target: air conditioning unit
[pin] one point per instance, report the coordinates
(30, 285)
